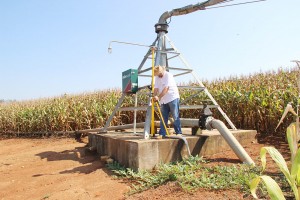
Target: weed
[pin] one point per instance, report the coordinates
(190, 174)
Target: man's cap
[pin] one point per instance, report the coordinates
(158, 69)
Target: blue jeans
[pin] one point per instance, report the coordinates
(172, 107)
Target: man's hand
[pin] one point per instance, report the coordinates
(155, 98)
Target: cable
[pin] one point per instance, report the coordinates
(225, 1)
(236, 4)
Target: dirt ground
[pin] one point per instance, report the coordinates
(58, 168)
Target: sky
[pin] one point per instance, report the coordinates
(49, 48)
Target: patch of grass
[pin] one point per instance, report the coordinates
(189, 174)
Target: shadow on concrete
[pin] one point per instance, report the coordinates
(196, 150)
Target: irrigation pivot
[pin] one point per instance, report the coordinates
(160, 52)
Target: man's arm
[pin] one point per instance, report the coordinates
(155, 92)
(155, 97)
(163, 92)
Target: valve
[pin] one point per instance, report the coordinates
(204, 115)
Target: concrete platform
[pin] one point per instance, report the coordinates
(131, 150)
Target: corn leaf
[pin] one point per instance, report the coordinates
(253, 186)
(273, 189)
(295, 171)
(291, 134)
(288, 108)
(279, 160)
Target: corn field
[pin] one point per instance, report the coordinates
(252, 102)
(258, 101)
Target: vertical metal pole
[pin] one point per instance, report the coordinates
(114, 112)
(147, 121)
(152, 92)
(161, 55)
(135, 105)
(160, 59)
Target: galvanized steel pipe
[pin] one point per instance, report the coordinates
(230, 139)
(187, 9)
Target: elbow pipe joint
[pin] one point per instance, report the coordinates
(182, 11)
(162, 23)
(163, 18)
(204, 118)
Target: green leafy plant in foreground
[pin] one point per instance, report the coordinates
(189, 174)
(292, 175)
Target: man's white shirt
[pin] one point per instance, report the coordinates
(166, 81)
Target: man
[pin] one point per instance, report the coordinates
(166, 92)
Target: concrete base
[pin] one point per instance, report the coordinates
(131, 150)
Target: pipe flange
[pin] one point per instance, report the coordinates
(161, 27)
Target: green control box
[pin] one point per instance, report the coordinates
(130, 81)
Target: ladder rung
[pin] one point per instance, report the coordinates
(179, 87)
(181, 107)
(191, 87)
